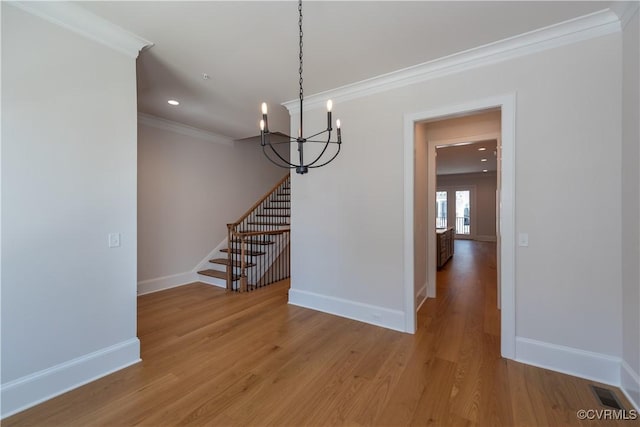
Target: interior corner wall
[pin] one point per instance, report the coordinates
(630, 372)
(421, 226)
(68, 180)
(348, 220)
(189, 189)
(485, 185)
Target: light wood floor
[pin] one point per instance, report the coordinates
(214, 358)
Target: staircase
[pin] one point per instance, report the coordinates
(257, 252)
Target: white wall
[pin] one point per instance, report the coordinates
(631, 211)
(348, 242)
(189, 189)
(68, 179)
(484, 184)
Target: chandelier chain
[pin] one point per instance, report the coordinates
(300, 56)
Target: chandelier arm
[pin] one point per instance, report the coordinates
(326, 145)
(316, 134)
(328, 161)
(276, 163)
(280, 157)
(282, 142)
(323, 142)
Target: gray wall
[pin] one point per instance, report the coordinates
(68, 180)
(631, 211)
(189, 189)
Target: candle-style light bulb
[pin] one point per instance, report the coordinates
(264, 117)
(338, 123)
(339, 132)
(329, 105)
(263, 140)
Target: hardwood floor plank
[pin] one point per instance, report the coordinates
(433, 406)
(401, 406)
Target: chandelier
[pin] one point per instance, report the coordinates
(265, 137)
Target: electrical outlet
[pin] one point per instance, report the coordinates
(114, 240)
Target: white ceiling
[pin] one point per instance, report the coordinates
(250, 52)
(467, 158)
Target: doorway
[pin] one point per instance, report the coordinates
(414, 223)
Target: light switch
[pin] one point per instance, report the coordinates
(523, 239)
(114, 240)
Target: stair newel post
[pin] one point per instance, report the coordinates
(243, 264)
(229, 256)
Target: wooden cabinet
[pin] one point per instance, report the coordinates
(444, 245)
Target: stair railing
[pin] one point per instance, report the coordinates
(258, 242)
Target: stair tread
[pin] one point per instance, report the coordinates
(217, 274)
(255, 242)
(247, 253)
(276, 207)
(225, 261)
(274, 215)
(274, 224)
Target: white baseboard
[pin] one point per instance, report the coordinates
(175, 280)
(481, 238)
(379, 316)
(630, 384)
(572, 361)
(166, 282)
(25, 392)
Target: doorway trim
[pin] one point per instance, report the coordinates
(507, 105)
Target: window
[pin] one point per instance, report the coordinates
(441, 209)
(462, 212)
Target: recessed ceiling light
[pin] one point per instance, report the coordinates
(483, 160)
(482, 148)
(173, 102)
(485, 170)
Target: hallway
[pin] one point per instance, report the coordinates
(465, 325)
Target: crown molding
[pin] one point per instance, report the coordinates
(182, 129)
(574, 30)
(626, 11)
(79, 20)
